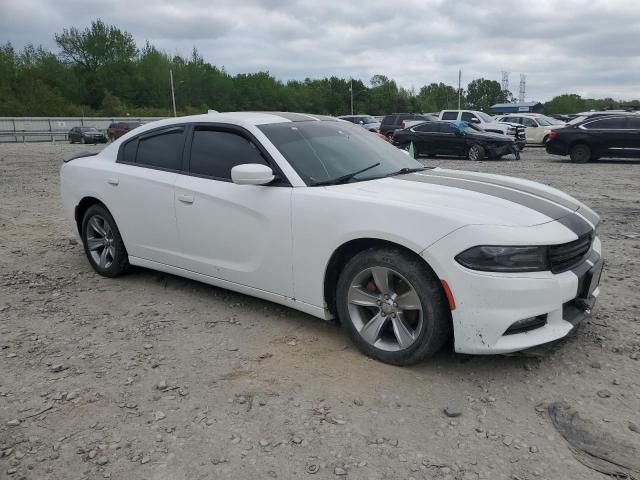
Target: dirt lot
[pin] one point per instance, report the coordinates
(151, 376)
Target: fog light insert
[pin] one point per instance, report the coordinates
(527, 324)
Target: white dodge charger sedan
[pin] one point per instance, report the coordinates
(324, 217)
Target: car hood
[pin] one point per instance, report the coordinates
(472, 198)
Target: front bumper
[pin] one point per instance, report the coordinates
(489, 303)
(503, 149)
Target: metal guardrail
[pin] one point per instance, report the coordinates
(54, 129)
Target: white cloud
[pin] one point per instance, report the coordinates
(587, 47)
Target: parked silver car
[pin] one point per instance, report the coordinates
(367, 121)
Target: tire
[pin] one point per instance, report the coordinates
(545, 139)
(475, 153)
(377, 330)
(108, 259)
(580, 153)
(70, 140)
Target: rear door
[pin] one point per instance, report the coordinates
(142, 200)
(427, 138)
(237, 233)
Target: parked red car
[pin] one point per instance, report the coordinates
(117, 129)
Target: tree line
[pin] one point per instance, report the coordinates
(101, 71)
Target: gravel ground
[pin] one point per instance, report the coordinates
(152, 376)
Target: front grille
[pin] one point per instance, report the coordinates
(520, 133)
(568, 255)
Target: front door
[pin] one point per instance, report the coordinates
(237, 233)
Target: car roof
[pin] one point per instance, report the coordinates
(238, 118)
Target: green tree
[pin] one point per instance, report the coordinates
(482, 93)
(437, 96)
(567, 103)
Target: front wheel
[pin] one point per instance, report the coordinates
(476, 152)
(580, 153)
(103, 244)
(392, 306)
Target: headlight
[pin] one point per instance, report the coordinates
(505, 259)
(511, 131)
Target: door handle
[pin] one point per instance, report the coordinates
(113, 181)
(185, 198)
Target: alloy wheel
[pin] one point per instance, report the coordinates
(385, 309)
(474, 154)
(100, 241)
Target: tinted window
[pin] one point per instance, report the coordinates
(129, 151)
(450, 115)
(633, 122)
(528, 122)
(427, 127)
(215, 153)
(389, 120)
(607, 124)
(162, 150)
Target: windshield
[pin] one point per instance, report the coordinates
(577, 120)
(550, 121)
(485, 117)
(88, 129)
(323, 151)
(368, 120)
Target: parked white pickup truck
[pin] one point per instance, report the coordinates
(486, 123)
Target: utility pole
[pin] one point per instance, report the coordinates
(459, 87)
(173, 93)
(351, 90)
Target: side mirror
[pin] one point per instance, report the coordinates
(360, 122)
(474, 120)
(251, 174)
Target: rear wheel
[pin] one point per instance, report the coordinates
(580, 153)
(103, 244)
(545, 139)
(392, 306)
(475, 153)
(70, 140)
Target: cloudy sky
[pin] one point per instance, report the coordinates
(589, 47)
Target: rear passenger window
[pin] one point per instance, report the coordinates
(214, 153)
(450, 116)
(129, 151)
(427, 128)
(161, 150)
(607, 124)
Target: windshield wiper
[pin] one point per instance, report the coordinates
(404, 170)
(343, 178)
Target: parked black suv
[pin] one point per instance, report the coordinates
(595, 137)
(455, 138)
(395, 121)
